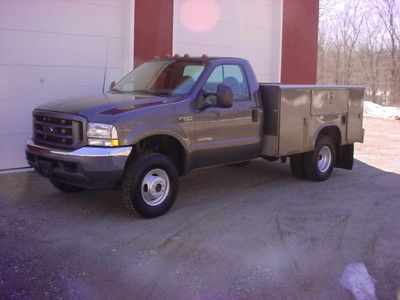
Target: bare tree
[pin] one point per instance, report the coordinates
(350, 34)
(359, 42)
(389, 13)
(370, 54)
(339, 36)
(337, 55)
(324, 40)
(324, 48)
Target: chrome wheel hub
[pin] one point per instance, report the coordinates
(324, 159)
(155, 187)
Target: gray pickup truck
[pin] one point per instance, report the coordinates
(176, 114)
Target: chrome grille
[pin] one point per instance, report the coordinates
(58, 131)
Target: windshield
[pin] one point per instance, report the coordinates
(162, 77)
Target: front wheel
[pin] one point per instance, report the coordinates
(318, 165)
(150, 185)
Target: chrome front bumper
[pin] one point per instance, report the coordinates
(90, 167)
(82, 152)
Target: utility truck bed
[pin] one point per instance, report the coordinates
(295, 114)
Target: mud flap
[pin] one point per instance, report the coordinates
(345, 157)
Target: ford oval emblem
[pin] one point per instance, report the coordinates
(48, 129)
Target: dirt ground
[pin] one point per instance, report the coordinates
(233, 233)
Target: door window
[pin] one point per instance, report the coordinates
(232, 76)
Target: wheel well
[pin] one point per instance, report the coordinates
(163, 144)
(334, 133)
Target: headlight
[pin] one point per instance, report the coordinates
(102, 135)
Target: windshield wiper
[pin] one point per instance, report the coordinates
(161, 93)
(134, 91)
(156, 93)
(141, 91)
(117, 91)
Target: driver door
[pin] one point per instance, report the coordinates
(225, 135)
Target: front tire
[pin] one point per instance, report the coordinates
(318, 165)
(150, 185)
(66, 188)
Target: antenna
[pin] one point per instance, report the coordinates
(105, 67)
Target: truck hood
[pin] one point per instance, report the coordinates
(105, 104)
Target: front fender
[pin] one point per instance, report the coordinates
(145, 130)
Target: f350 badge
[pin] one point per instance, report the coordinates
(185, 119)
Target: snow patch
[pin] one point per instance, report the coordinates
(378, 111)
(357, 279)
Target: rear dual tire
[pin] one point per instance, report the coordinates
(318, 164)
(297, 165)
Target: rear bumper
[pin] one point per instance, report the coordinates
(89, 167)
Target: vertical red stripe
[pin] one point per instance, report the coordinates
(299, 41)
(153, 29)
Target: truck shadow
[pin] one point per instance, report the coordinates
(306, 231)
(258, 180)
(264, 177)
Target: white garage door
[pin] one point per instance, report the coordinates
(54, 49)
(242, 28)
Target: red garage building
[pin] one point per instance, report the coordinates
(57, 49)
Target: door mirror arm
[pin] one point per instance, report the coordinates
(223, 95)
(201, 103)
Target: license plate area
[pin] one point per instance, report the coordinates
(45, 168)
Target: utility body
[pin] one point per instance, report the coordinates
(170, 116)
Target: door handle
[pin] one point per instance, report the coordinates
(254, 115)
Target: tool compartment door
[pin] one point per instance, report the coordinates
(329, 102)
(355, 116)
(294, 121)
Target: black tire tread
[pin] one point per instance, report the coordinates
(297, 165)
(131, 177)
(310, 167)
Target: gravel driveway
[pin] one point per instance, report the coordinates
(234, 233)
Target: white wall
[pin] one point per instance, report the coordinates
(250, 29)
(52, 49)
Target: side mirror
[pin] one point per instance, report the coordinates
(112, 85)
(224, 96)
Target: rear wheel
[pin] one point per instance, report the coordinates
(318, 165)
(66, 188)
(150, 185)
